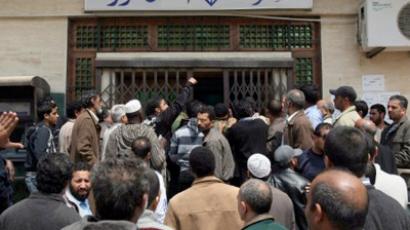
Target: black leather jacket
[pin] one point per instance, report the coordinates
(294, 185)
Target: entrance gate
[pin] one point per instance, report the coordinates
(262, 84)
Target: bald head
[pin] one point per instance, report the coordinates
(321, 103)
(340, 198)
(366, 126)
(325, 105)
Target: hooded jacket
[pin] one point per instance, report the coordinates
(121, 139)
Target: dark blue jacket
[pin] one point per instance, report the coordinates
(39, 145)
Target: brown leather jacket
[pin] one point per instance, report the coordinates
(298, 131)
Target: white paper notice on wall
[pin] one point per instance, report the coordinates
(372, 98)
(373, 82)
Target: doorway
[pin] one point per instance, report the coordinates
(210, 89)
(215, 85)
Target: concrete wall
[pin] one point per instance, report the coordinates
(35, 46)
(34, 41)
(343, 62)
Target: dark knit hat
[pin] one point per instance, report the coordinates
(221, 110)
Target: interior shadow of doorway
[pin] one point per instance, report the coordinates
(210, 88)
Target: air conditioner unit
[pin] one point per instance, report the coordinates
(384, 24)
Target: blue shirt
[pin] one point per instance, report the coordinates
(82, 206)
(314, 115)
(310, 164)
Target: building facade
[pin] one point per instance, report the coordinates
(235, 53)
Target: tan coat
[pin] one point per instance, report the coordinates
(298, 132)
(85, 139)
(208, 204)
(347, 117)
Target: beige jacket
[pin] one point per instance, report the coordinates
(347, 117)
(64, 137)
(208, 204)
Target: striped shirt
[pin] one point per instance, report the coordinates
(183, 141)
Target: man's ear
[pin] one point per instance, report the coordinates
(157, 110)
(294, 162)
(144, 203)
(243, 208)
(92, 100)
(124, 119)
(155, 203)
(403, 111)
(318, 214)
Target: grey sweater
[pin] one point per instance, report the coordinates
(39, 211)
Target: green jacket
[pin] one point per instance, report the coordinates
(397, 137)
(263, 222)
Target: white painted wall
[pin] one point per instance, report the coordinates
(35, 46)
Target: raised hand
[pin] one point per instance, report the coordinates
(192, 80)
(8, 122)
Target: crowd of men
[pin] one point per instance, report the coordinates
(296, 164)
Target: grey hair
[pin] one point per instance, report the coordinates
(257, 194)
(117, 111)
(329, 106)
(119, 186)
(297, 98)
(402, 100)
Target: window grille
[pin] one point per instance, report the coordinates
(304, 71)
(276, 36)
(86, 37)
(193, 37)
(83, 75)
(124, 36)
